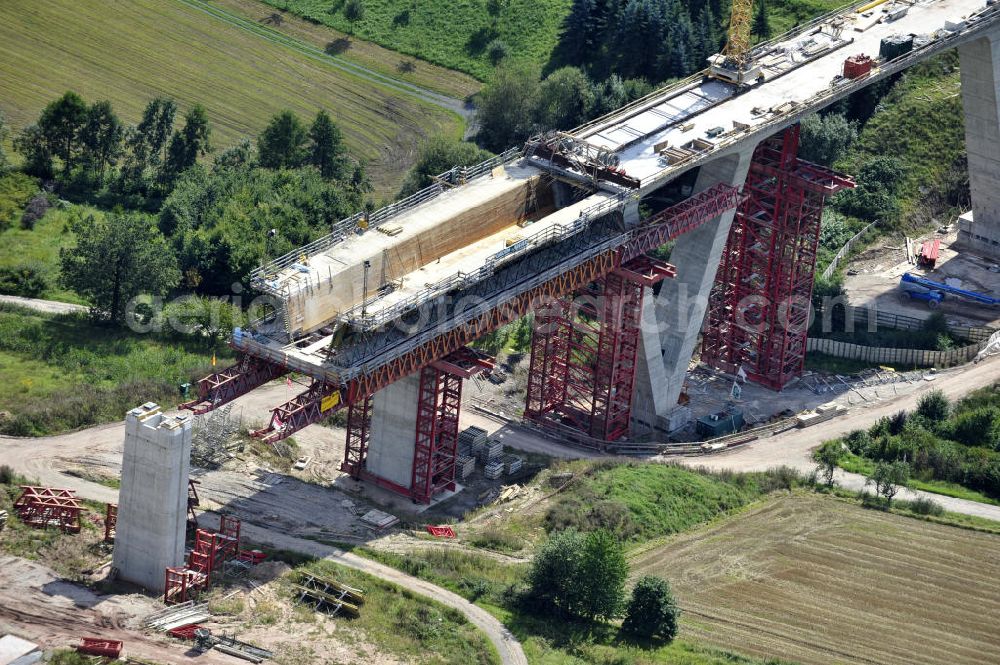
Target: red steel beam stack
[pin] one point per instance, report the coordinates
(98, 646)
(42, 507)
(759, 306)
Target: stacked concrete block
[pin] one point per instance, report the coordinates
(471, 440)
(464, 466)
(491, 451)
(493, 470)
(152, 501)
(512, 464)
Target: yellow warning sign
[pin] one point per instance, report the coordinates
(330, 401)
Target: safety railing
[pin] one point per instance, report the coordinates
(342, 229)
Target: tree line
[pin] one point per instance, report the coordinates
(179, 223)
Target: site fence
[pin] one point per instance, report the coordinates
(872, 319)
(845, 250)
(891, 356)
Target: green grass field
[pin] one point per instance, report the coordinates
(367, 54)
(452, 34)
(137, 50)
(64, 372)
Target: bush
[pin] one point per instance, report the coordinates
(923, 506)
(496, 51)
(35, 210)
(934, 406)
(27, 281)
(580, 575)
(977, 427)
(652, 611)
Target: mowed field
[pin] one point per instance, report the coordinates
(812, 579)
(130, 52)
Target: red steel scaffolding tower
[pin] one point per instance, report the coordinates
(439, 401)
(759, 307)
(584, 350)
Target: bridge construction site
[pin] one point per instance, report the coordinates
(380, 313)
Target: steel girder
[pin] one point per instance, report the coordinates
(760, 304)
(247, 373)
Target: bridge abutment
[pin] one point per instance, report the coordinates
(671, 321)
(980, 75)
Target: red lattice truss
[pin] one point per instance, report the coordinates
(43, 507)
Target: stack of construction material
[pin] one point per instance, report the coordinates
(512, 463)
(492, 451)
(493, 470)
(471, 441)
(464, 466)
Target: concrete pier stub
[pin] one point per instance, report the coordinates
(980, 74)
(153, 499)
(393, 429)
(672, 320)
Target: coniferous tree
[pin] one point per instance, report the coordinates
(326, 149)
(60, 124)
(282, 144)
(761, 25)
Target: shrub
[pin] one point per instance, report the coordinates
(27, 281)
(580, 575)
(976, 427)
(924, 506)
(496, 51)
(652, 611)
(35, 210)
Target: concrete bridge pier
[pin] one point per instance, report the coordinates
(672, 320)
(394, 417)
(979, 229)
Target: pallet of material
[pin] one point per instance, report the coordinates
(378, 519)
(512, 463)
(465, 466)
(471, 440)
(493, 470)
(821, 414)
(491, 452)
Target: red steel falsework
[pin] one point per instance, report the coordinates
(226, 385)
(439, 402)
(759, 306)
(584, 352)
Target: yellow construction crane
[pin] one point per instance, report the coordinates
(733, 64)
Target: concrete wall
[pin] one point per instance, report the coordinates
(394, 428)
(672, 320)
(152, 503)
(980, 65)
(334, 289)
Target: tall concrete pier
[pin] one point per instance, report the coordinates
(152, 504)
(979, 230)
(671, 321)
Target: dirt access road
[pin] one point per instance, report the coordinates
(794, 447)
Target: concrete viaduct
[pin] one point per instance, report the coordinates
(379, 313)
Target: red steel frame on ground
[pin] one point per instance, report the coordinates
(759, 306)
(42, 507)
(211, 550)
(110, 522)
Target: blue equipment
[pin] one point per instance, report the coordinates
(916, 287)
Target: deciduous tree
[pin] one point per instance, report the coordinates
(889, 478)
(116, 258)
(188, 144)
(828, 457)
(101, 139)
